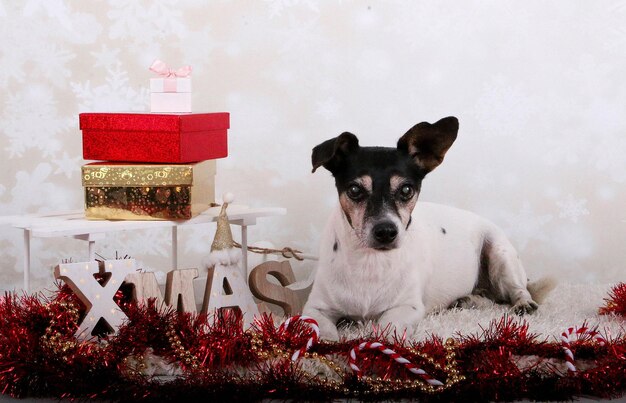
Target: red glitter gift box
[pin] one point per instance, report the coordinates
(151, 137)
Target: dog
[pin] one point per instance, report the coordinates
(387, 258)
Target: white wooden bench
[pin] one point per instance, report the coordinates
(73, 224)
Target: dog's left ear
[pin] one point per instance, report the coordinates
(427, 143)
(332, 153)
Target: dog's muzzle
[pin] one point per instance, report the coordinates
(385, 234)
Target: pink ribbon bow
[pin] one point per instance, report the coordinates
(160, 68)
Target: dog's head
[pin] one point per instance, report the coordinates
(378, 186)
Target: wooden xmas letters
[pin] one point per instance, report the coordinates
(225, 288)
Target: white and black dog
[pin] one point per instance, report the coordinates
(387, 258)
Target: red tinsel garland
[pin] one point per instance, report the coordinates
(216, 359)
(616, 303)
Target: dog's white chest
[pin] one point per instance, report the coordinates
(367, 285)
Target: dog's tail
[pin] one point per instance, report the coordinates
(540, 289)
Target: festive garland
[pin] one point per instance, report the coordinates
(616, 302)
(211, 357)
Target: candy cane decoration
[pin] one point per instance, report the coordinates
(313, 339)
(395, 356)
(565, 343)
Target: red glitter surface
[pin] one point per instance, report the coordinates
(166, 138)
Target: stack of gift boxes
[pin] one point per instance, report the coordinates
(153, 166)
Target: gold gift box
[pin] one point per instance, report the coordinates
(125, 191)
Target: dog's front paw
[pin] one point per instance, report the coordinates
(325, 323)
(525, 307)
(329, 333)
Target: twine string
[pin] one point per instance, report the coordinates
(287, 252)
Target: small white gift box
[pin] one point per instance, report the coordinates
(170, 84)
(171, 92)
(164, 102)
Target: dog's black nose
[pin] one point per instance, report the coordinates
(385, 232)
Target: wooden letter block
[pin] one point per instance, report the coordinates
(226, 288)
(179, 289)
(287, 299)
(98, 298)
(145, 286)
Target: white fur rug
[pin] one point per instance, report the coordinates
(568, 305)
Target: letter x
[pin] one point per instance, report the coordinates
(97, 298)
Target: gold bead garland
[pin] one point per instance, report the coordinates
(52, 339)
(278, 352)
(378, 385)
(185, 356)
(135, 369)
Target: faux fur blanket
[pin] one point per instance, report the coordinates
(568, 305)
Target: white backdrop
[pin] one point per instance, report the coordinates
(538, 88)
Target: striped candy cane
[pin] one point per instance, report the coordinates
(395, 356)
(565, 343)
(313, 339)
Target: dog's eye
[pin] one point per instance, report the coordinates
(355, 192)
(406, 192)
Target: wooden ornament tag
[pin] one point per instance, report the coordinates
(284, 297)
(226, 288)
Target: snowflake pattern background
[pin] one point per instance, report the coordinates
(537, 87)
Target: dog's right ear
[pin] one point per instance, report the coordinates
(428, 143)
(333, 152)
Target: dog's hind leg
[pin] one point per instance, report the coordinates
(506, 275)
(475, 300)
